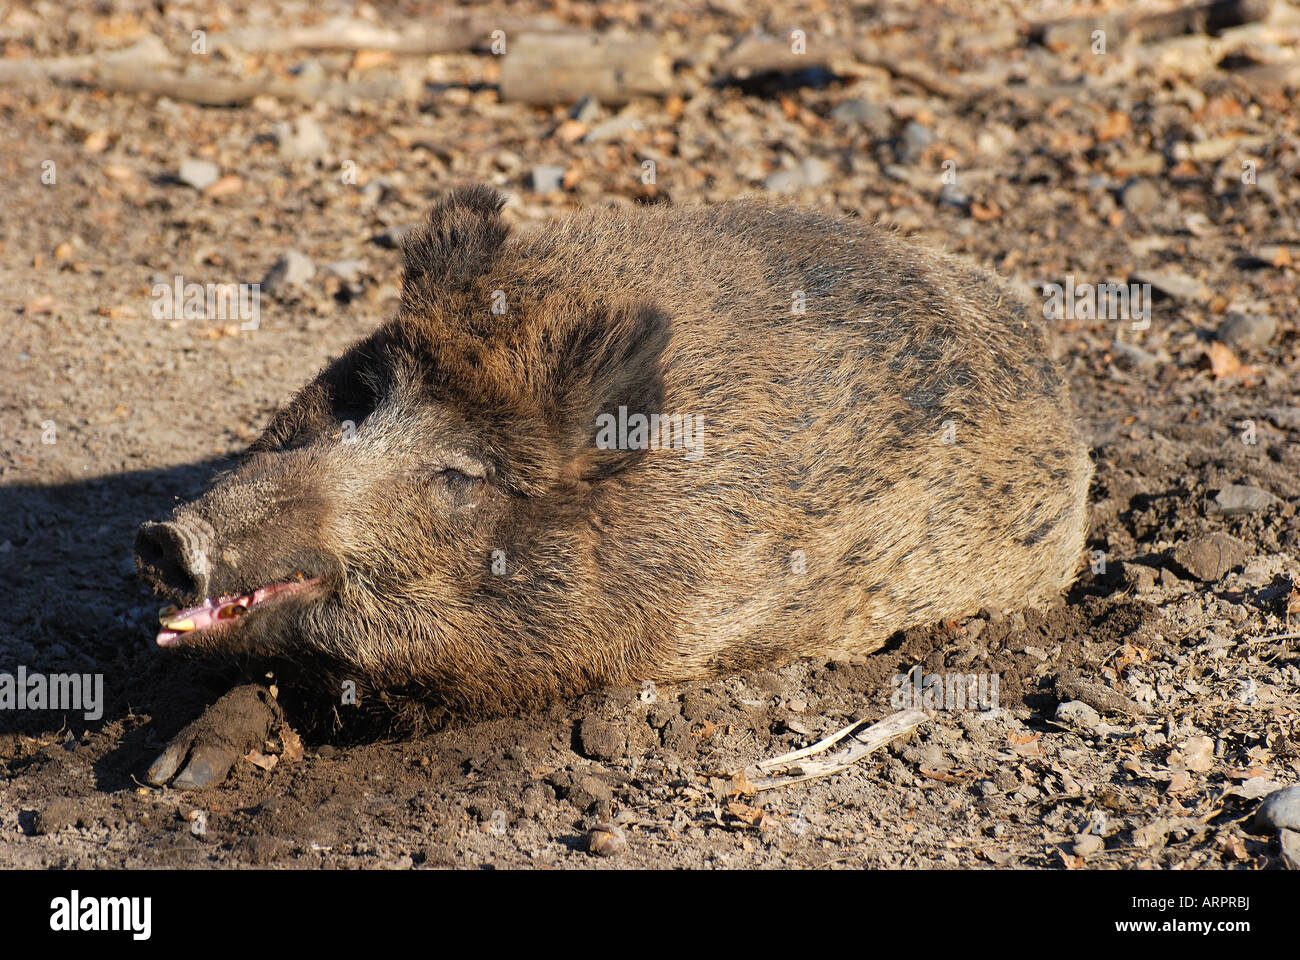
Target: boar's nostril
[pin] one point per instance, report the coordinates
(173, 558)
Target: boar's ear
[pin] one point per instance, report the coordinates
(457, 244)
(609, 359)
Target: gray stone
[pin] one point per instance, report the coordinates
(1173, 283)
(292, 269)
(1246, 330)
(199, 174)
(1078, 714)
(864, 113)
(810, 172)
(954, 197)
(301, 140)
(377, 190)
(1235, 499)
(915, 138)
(546, 178)
(1286, 418)
(1088, 845)
(346, 270)
(1289, 840)
(613, 128)
(309, 71)
(1280, 810)
(585, 110)
(1140, 197)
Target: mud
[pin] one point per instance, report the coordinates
(1191, 696)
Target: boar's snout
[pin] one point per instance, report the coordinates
(173, 557)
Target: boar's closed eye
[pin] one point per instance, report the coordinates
(459, 487)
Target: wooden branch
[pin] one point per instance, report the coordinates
(1209, 17)
(868, 741)
(148, 53)
(556, 68)
(1270, 76)
(818, 747)
(450, 35)
(765, 54)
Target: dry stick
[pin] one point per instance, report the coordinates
(555, 68)
(817, 747)
(753, 55)
(1211, 17)
(205, 91)
(343, 33)
(140, 69)
(1270, 76)
(148, 53)
(225, 91)
(869, 740)
(543, 65)
(914, 71)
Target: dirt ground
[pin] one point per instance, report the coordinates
(1172, 160)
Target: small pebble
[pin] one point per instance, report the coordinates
(1280, 810)
(199, 174)
(607, 840)
(292, 269)
(546, 178)
(1088, 844)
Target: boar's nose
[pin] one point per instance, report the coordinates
(174, 557)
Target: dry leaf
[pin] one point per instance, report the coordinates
(1232, 846)
(227, 185)
(1224, 363)
(259, 759)
(365, 59)
(1249, 773)
(1198, 754)
(570, 131)
(741, 785)
(1179, 782)
(292, 751)
(938, 775)
(742, 811)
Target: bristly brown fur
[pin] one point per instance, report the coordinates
(901, 451)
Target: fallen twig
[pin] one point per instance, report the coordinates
(450, 35)
(868, 741)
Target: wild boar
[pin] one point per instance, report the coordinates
(656, 444)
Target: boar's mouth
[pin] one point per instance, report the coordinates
(179, 626)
